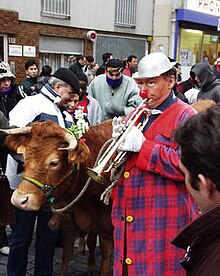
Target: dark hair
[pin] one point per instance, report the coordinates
(177, 65)
(82, 77)
(79, 57)
(169, 73)
(46, 71)
(29, 63)
(200, 148)
(90, 58)
(129, 59)
(83, 82)
(106, 57)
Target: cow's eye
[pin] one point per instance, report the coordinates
(54, 162)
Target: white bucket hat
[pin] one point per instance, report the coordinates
(8, 74)
(153, 65)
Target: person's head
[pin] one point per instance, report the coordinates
(156, 77)
(192, 75)
(94, 66)
(46, 71)
(106, 57)
(83, 82)
(178, 68)
(89, 60)
(203, 74)
(72, 106)
(81, 60)
(132, 62)
(114, 75)
(6, 79)
(65, 83)
(31, 68)
(199, 143)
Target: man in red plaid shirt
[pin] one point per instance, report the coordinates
(150, 202)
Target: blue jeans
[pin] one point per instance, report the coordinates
(21, 240)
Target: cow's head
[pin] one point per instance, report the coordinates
(49, 153)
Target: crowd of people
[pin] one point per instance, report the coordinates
(171, 174)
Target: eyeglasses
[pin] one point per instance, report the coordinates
(114, 73)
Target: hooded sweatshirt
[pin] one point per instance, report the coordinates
(210, 85)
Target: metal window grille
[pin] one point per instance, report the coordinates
(121, 47)
(56, 8)
(125, 13)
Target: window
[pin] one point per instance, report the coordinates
(121, 47)
(54, 60)
(125, 13)
(56, 51)
(56, 8)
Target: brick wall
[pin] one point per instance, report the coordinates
(27, 33)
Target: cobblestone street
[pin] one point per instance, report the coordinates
(77, 267)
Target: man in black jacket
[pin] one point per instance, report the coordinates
(28, 86)
(77, 67)
(200, 158)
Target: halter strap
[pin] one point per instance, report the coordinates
(46, 189)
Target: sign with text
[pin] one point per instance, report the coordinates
(206, 6)
(15, 50)
(29, 51)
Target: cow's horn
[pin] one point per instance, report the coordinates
(19, 130)
(71, 139)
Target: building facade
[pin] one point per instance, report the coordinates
(52, 31)
(187, 30)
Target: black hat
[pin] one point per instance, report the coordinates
(114, 63)
(67, 76)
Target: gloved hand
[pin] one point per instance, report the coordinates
(117, 126)
(133, 141)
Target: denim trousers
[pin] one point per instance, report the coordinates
(3, 236)
(21, 239)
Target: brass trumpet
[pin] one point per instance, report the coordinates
(97, 172)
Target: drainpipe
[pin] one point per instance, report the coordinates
(152, 31)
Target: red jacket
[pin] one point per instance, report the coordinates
(127, 72)
(151, 203)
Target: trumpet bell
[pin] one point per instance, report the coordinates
(97, 177)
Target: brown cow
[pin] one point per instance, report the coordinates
(52, 167)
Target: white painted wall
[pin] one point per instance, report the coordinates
(164, 25)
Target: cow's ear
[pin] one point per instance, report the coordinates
(16, 143)
(80, 154)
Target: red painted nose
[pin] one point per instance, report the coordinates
(143, 94)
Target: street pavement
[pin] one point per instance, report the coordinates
(77, 266)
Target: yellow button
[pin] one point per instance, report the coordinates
(128, 261)
(129, 218)
(126, 174)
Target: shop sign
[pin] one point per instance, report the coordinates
(29, 51)
(205, 6)
(15, 50)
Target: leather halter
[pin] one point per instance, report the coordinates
(48, 189)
